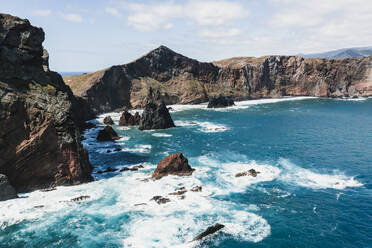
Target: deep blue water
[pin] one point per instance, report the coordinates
(314, 188)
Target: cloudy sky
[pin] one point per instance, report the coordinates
(87, 35)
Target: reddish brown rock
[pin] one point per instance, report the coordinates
(127, 119)
(174, 164)
(39, 135)
(108, 120)
(107, 134)
(210, 230)
(251, 172)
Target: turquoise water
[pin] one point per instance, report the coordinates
(314, 188)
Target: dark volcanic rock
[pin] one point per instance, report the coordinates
(108, 169)
(155, 114)
(210, 230)
(251, 172)
(39, 136)
(6, 190)
(220, 102)
(160, 200)
(174, 164)
(107, 134)
(196, 189)
(108, 120)
(80, 198)
(127, 119)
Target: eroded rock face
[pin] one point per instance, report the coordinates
(174, 164)
(156, 114)
(39, 136)
(6, 190)
(107, 134)
(220, 101)
(186, 81)
(127, 119)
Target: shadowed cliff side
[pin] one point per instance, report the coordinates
(186, 81)
(39, 136)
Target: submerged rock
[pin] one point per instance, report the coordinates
(127, 119)
(196, 189)
(155, 114)
(80, 198)
(108, 169)
(107, 134)
(108, 120)
(160, 200)
(210, 230)
(6, 190)
(251, 172)
(174, 164)
(220, 101)
(179, 192)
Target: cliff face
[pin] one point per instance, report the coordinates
(186, 81)
(39, 138)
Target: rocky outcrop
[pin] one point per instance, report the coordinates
(251, 172)
(183, 80)
(39, 135)
(108, 120)
(127, 119)
(210, 230)
(107, 134)
(156, 114)
(6, 190)
(174, 164)
(220, 101)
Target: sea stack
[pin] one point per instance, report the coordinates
(174, 164)
(155, 114)
(107, 134)
(127, 119)
(39, 136)
(6, 190)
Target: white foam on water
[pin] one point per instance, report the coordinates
(139, 149)
(184, 107)
(115, 116)
(208, 127)
(185, 123)
(162, 135)
(310, 179)
(351, 99)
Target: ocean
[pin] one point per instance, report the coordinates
(314, 187)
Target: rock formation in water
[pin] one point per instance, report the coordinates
(127, 119)
(183, 80)
(39, 135)
(108, 120)
(174, 164)
(107, 134)
(210, 230)
(220, 101)
(6, 190)
(156, 114)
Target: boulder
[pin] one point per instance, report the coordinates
(220, 101)
(160, 200)
(155, 114)
(251, 172)
(108, 120)
(196, 189)
(107, 134)
(6, 190)
(127, 119)
(210, 230)
(174, 164)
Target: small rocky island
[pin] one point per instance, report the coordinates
(174, 164)
(220, 101)
(156, 114)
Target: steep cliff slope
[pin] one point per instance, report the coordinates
(184, 80)
(39, 138)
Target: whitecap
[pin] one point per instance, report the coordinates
(162, 135)
(208, 127)
(306, 178)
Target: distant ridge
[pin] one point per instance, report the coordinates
(355, 52)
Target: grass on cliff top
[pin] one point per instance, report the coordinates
(79, 84)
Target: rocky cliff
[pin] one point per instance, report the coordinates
(186, 81)
(39, 137)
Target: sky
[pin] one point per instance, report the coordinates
(89, 35)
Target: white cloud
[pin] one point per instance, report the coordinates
(41, 12)
(216, 33)
(71, 17)
(113, 11)
(150, 17)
